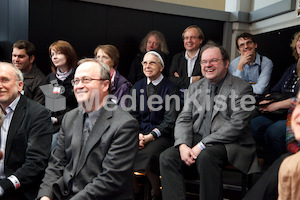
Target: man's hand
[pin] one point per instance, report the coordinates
(270, 108)
(187, 155)
(196, 150)
(145, 139)
(195, 78)
(246, 58)
(176, 74)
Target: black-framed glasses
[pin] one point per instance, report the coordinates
(212, 61)
(85, 80)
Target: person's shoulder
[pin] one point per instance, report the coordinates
(178, 55)
(236, 60)
(32, 106)
(38, 72)
(140, 83)
(121, 115)
(292, 163)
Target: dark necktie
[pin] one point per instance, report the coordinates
(211, 109)
(87, 126)
(151, 89)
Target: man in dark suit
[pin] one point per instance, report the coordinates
(97, 143)
(25, 138)
(208, 138)
(185, 68)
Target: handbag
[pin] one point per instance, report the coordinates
(279, 114)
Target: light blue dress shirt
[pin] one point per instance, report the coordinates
(251, 73)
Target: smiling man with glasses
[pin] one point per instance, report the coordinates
(207, 137)
(97, 143)
(185, 67)
(251, 66)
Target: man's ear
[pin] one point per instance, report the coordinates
(31, 59)
(20, 85)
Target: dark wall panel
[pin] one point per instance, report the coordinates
(276, 46)
(85, 25)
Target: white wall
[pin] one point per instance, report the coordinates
(257, 4)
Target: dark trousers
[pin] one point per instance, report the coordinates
(208, 165)
(266, 186)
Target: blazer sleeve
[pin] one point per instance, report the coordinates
(179, 65)
(57, 162)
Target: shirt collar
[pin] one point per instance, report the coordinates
(257, 59)
(93, 116)
(157, 81)
(187, 57)
(12, 106)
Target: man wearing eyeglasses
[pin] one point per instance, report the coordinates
(251, 66)
(97, 143)
(185, 68)
(25, 138)
(212, 130)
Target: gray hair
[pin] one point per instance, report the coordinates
(103, 68)
(18, 73)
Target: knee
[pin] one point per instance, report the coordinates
(168, 156)
(203, 157)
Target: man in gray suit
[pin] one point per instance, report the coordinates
(208, 139)
(96, 146)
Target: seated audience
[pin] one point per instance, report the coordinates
(25, 138)
(268, 129)
(97, 144)
(288, 178)
(251, 66)
(156, 117)
(207, 136)
(23, 57)
(109, 55)
(153, 40)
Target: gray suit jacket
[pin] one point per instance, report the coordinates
(104, 168)
(230, 124)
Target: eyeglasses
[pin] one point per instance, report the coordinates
(241, 46)
(191, 37)
(212, 61)
(85, 80)
(151, 63)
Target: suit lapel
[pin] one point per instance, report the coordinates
(100, 127)
(77, 136)
(15, 123)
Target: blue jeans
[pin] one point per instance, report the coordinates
(270, 134)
